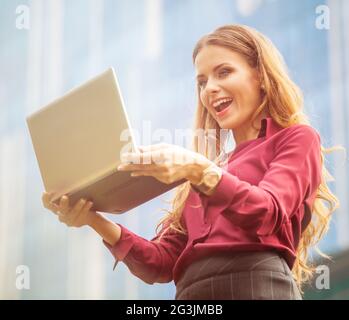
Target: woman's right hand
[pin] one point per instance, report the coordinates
(77, 216)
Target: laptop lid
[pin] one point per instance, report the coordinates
(78, 141)
(77, 138)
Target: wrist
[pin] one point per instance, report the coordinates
(93, 218)
(195, 170)
(210, 178)
(108, 230)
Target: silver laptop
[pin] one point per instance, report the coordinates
(78, 145)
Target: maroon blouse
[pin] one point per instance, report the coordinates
(263, 202)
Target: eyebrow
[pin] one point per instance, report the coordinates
(214, 69)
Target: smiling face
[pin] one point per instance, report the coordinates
(229, 88)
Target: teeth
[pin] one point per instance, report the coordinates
(219, 102)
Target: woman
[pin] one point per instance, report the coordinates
(240, 228)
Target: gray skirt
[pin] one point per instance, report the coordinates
(238, 276)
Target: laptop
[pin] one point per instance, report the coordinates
(78, 140)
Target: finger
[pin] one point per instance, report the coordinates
(139, 167)
(80, 212)
(161, 156)
(88, 205)
(145, 158)
(153, 173)
(131, 157)
(64, 204)
(147, 152)
(79, 205)
(46, 197)
(53, 207)
(158, 153)
(137, 158)
(62, 217)
(163, 177)
(154, 147)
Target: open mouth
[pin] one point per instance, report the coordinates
(224, 105)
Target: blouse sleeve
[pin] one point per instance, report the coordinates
(292, 178)
(151, 261)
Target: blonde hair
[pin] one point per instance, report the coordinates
(284, 102)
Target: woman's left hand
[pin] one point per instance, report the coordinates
(165, 162)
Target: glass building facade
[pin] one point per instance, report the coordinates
(48, 47)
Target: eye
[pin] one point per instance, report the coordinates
(202, 84)
(224, 72)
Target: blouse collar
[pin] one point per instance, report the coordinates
(268, 128)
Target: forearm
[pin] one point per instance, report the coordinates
(150, 260)
(108, 230)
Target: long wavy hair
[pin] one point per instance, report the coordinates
(283, 101)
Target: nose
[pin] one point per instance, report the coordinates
(211, 87)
